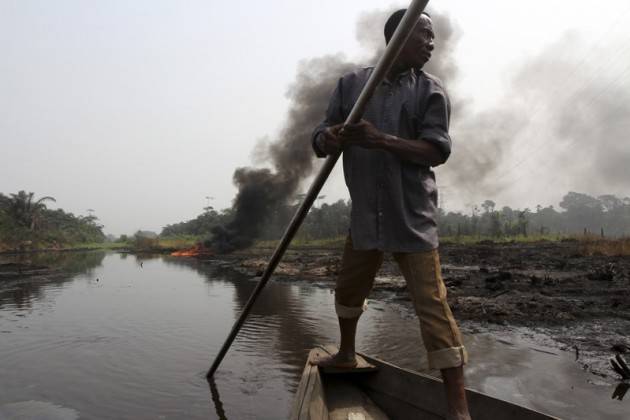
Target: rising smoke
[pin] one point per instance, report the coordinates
(585, 99)
(290, 156)
(555, 102)
(560, 126)
(260, 191)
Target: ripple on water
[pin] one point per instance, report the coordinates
(36, 410)
(117, 352)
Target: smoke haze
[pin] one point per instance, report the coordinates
(563, 120)
(261, 190)
(554, 102)
(370, 35)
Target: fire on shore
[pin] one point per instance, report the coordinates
(196, 251)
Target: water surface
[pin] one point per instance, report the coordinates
(121, 336)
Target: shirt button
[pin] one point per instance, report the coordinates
(380, 213)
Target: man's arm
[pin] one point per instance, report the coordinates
(421, 152)
(416, 151)
(432, 145)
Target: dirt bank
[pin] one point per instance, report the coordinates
(580, 303)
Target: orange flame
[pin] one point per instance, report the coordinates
(196, 251)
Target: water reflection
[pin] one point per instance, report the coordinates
(620, 391)
(279, 310)
(36, 410)
(137, 344)
(216, 400)
(54, 269)
(69, 262)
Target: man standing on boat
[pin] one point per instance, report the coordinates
(387, 160)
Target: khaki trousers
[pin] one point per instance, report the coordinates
(422, 273)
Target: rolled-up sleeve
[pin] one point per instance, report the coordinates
(334, 115)
(434, 126)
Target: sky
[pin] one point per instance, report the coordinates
(142, 110)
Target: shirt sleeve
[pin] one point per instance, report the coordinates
(434, 126)
(334, 115)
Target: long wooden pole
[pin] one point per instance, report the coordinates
(383, 66)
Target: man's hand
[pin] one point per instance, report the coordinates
(331, 142)
(363, 134)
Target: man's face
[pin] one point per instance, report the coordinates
(417, 50)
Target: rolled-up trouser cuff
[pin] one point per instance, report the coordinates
(448, 358)
(350, 311)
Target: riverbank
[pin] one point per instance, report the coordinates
(153, 246)
(97, 246)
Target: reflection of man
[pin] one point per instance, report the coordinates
(387, 159)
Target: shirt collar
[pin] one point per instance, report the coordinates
(409, 73)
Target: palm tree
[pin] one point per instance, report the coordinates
(25, 211)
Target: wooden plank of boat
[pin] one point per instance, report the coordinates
(388, 392)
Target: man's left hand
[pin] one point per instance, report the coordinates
(362, 134)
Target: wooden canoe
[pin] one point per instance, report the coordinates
(379, 390)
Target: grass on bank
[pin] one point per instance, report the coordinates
(133, 244)
(586, 244)
(476, 239)
(179, 242)
(339, 241)
(335, 242)
(166, 244)
(98, 246)
(85, 246)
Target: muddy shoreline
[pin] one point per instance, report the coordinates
(549, 292)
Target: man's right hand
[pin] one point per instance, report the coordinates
(330, 142)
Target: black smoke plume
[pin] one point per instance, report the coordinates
(561, 125)
(260, 190)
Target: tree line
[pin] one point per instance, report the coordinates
(27, 222)
(579, 213)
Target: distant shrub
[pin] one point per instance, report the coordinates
(141, 241)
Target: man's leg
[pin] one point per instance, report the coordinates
(354, 283)
(440, 333)
(346, 356)
(455, 393)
